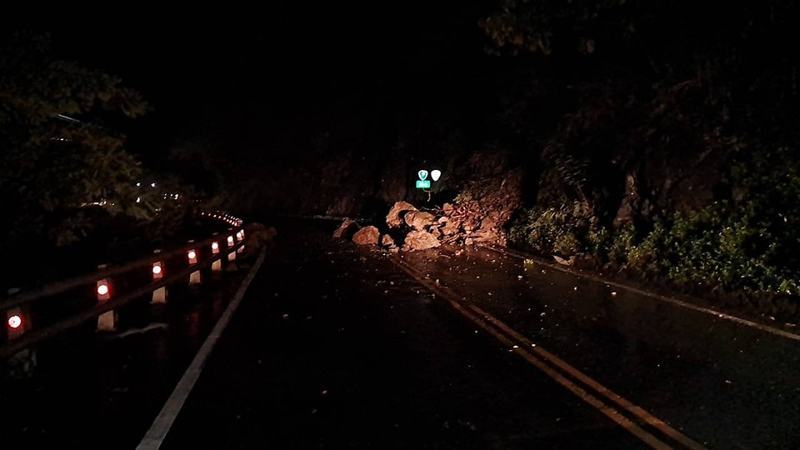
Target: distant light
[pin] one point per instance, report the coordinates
(138, 199)
(192, 254)
(214, 246)
(138, 184)
(156, 269)
(14, 321)
(230, 241)
(153, 184)
(102, 289)
(68, 118)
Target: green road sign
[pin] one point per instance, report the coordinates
(423, 184)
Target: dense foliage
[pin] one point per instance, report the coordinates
(677, 155)
(63, 170)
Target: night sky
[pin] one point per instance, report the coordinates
(267, 81)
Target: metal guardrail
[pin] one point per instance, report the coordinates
(205, 256)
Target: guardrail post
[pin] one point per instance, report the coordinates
(24, 362)
(191, 255)
(231, 266)
(108, 320)
(240, 238)
(216, 265)
(160, 294)
(106, 283)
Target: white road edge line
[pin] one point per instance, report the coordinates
(169, 412)
(660, 297)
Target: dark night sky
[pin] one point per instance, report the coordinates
(260, 80)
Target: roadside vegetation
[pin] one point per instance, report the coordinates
(72, 191)
(678, 159)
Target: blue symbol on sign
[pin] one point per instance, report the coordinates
(423, 174)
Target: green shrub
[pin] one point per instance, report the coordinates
(718, 247)
(646, 257)
(621, 244)
(721, 246)
(567, 230)
(730, 248)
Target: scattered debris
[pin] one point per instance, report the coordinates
(564, 262)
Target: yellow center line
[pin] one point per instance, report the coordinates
(539, 358)
(637, 411)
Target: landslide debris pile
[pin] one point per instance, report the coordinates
(478, 215)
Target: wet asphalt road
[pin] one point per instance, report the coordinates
(101, 390)
(725, 385)
(334, 347)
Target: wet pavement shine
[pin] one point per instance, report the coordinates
(723, 384)
(90, 389)
(334, 347)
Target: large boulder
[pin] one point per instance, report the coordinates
(419, 240)
(367, 236)
(346, 229)
(395, 217)
(419, 220)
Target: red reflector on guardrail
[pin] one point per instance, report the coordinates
(158, 271)
(192, 255)
(103, 290)
(14, 322)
